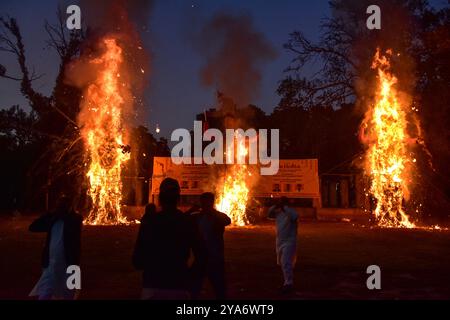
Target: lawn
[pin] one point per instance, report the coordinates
(332, 262)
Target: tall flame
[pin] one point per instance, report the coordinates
(388, 159)
(103, 131)
(233, 194)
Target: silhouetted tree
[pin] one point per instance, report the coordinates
(19, 145)
(343, 55)
(318, 132)
(58, 161)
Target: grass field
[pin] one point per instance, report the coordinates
(332, 262)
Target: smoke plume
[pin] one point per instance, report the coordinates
(124, 21)
(234, 52)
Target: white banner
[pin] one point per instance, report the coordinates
(296, 178)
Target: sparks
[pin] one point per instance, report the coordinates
(233, 194)
(101, 120)
(388, 162)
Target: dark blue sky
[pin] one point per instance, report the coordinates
(174, 94)
(176, 66)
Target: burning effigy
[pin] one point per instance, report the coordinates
(236, 74)
(109, 71)
(389, 160)
(233, 192)
(103, 130)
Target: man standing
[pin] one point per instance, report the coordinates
(211, 224)
(62, 249)
(286, 244)
(165, 241)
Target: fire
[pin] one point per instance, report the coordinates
(234, 193)
(102, 128)
(388, 158)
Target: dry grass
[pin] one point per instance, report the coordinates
(332, 259)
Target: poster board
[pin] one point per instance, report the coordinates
(296, 178)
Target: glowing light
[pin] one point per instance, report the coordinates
(102, 128)
(233, 194)
(387, 158)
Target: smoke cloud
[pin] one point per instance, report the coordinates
(117, 14)
(234, 52)
(124, 21)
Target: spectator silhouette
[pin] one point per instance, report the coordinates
(62, 249)
(162, 250)
(211, 224)
(150, 210)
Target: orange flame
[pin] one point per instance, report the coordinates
(388, 160)
(102, 128)
(233, 194)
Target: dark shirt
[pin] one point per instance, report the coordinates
(71, 234)
(212, 227)
(163, 248)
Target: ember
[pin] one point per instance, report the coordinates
(101, 120)
(388, 158)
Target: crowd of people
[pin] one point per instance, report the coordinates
(176, 251)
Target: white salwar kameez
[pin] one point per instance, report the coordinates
(286, 243)
(52, 284)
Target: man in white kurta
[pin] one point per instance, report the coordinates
(286, 243)
(52, 284)
(62, 249)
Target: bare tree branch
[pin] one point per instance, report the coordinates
(9, 28)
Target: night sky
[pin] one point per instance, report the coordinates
(174, 94)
